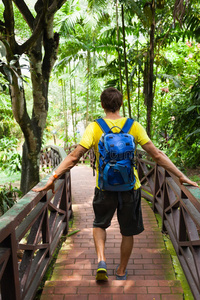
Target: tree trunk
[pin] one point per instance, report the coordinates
(41, 48)
(75, 109)
(32, 135)
(88, 87)
(119, 57)
(150, 79)
(138, 74)
(71, 102)
(30, 169)
(94, 63)
(65, 113)
(125, 62)
(40, 67)
(146, 77)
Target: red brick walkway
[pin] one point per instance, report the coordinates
(150, 271)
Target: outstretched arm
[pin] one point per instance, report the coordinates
(163, 160)
(69, 162)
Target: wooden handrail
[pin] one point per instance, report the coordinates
(37, 221)
(179, 207)
(34, 226)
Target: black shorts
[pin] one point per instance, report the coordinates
(129, 216)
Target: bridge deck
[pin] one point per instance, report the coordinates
(151, 274)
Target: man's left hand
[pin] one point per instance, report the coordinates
(49, 186)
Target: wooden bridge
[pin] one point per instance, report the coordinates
(36, 223)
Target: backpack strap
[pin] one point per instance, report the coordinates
(103, 125)
(127, 126)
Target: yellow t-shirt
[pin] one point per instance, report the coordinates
(93, 133)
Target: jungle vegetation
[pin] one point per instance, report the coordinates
(57, 56)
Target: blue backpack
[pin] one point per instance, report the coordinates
(116, 158)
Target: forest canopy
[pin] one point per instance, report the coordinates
(150, 51)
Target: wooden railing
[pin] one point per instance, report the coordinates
(32, 228)
(51, 156)
(35, 224)
(179, 207)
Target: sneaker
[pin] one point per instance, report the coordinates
(102, 271)
(123, 277)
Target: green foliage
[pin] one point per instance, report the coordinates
(7, 70)
(176, 68)
(8, 125)
(88, 58)
(195, 178)
(22, 29)
(191, 21)
(10, 158)
(176, 118)
(8, 197)
(5, 177)
(95, 4)
(6, 122)
(178, 129)
(142, 10)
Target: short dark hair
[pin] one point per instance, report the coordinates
(111, 99)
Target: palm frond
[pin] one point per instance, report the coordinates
(96, 4)
(192, 26)
(137, 10)
(67, 23)
(112, 83)
(176, 82)
(111, 68)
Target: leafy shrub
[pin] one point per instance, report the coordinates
(180, 123)
(8, 197)
(10, 158)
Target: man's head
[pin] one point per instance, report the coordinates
(111, 99)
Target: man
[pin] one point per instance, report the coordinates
(105, 203)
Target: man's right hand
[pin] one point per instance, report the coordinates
(184, 179)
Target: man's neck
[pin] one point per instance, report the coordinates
(112, 116)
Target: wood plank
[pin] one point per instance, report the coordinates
(29, 220)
